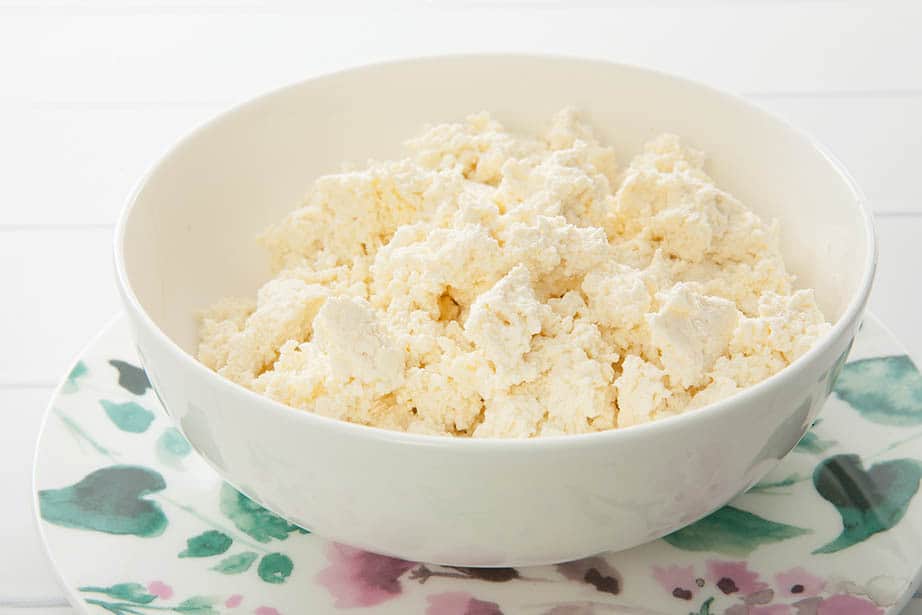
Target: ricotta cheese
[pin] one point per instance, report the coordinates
(498, 285)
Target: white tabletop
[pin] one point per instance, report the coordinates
(91, 91)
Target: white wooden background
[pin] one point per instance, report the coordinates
(91, 92)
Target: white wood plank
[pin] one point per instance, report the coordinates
(878, 138)
(77, 163)
(803, 47)
(58, 291)
(25, 572)
(897, 294)
(134, 7)
(37, 610)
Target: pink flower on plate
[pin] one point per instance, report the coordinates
(845, 604)
(771, 609)
(233, 601)
(680, 581)
(733, 577)
(359, 578)
(798, 583)
(266, 610)
(460, 603)
(160, 589)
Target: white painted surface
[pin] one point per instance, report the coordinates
(25, 575)
(59, 290)
(55, 607)
(94, 90)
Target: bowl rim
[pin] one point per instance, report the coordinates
(852, 312)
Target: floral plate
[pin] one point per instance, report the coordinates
(136, 523)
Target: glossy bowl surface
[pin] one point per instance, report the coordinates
(186, 238)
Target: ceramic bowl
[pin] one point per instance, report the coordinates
(186, 238)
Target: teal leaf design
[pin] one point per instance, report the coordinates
(235, 564)
(252, 519)
(174, 443)
(71, 385)
(172, 447)
(705, 608)
(788, 481)
(885, 390)
(731, 531)
(197, 605)
(869, 501)
(132, 592)
(80, 434)
(275, 568)
(128, 416)
(207, 544)
(116, 608)
(109, 500)
(812, 443)
(131, 377)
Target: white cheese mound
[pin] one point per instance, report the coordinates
(494, 285)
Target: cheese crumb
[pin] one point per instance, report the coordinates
(498, 285)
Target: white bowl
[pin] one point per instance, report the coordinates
(186, 238)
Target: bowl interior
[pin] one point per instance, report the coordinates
(189, 235)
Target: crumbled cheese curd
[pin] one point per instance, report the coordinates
(493, 285)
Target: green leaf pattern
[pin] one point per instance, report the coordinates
(275, 568)
(111, 500)
(886, 390)
(870, 499)
(235, 564)
(732, 531)
(812, 443)
(72, 384)
(131, 377)
(129, 416)
(207, 544)
(132, 592)
(137, 603)
(252, 519)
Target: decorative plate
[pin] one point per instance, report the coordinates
(136, 523)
